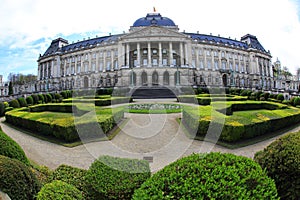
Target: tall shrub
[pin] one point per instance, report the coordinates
(280, 97)
(2, 109)
(281, 159)
(35, 98)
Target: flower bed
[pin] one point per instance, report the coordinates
(154, 108)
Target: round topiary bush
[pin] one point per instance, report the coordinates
(14, 103)
(29, 100)
(116, 178)
(70, 175)
(209, 176)
(58, 190)
(280, 97)
(22, 102)
(296, 101)
(17, 180)
(35, 98)
(11, 149)
(281, 159)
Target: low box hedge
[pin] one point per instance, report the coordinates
(61, 125)
(241, 125)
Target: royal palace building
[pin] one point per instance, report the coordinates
(155, 53)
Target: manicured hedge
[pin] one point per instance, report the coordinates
(29, 100)
(240, 125)
(22, 102)
(11, 149)
(71, 175)
(281, 159)
(14, 103)
(59, 190)
(35, 98)
(116, 178)
(209, 176)
(17, 180)
(62, 126)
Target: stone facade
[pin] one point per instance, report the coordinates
(155, 53)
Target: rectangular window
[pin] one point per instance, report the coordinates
(101, 66)
(223, 65)
(208, 64)
(154, 61)
(93, 67)
(86, 67)
(101, 54)
(208, 52)
(223, 54)
(78, 68)
(216, 64)
(201, 64)
(116, 53)
(236, 67)
(94, 55)
(108, 66)
(200, 52)
(215, 53)
(174, 62)
(165, 62)
(135, 63)
(230, 66)
(86, 56)
(116, 64)
(193, 63)
(108, 53)
(145, 62)
(164, 51)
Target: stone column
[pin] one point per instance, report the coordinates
(104, 61)
(149, 55)
(187, 61)
(97, 62)
(159, 55)
(112, 52)
(127, 54)
(138, 49)
(170, 54)
(181, 54)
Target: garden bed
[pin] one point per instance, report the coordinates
(62, 125)
(157, 108)
(240, 125)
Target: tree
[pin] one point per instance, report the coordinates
(10, 88)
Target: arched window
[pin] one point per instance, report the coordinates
(132, 79)
(166, 78)
(155, 78)
(177, 78)
(144, 78)
(86, 82)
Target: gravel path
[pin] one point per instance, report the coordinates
(156, 137)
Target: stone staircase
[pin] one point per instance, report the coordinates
(152, 93)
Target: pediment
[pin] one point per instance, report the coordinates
(154, 31)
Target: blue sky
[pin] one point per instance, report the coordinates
(28, 26)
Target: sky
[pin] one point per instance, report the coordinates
(27, 27)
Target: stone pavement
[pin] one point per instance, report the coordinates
(158, 137)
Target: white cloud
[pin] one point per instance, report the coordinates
(275, 23)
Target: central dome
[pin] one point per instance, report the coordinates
(153, 19)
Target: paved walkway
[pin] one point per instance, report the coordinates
(157, 137)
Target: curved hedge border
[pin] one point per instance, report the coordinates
(233, 131)
(64, 128)
(209, 176)
(281, 159)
